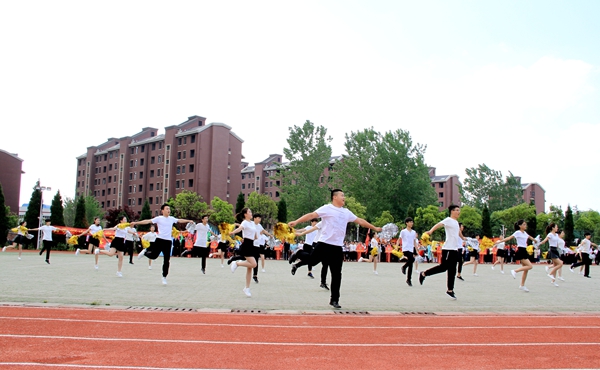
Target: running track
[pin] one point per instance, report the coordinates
(65, 338)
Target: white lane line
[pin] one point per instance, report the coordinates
(299, 344)
(41, 364)
(145, 323)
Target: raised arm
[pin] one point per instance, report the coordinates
(306, 231)
(306, 217)
(364, 223)
(504, 240)
(435, 227)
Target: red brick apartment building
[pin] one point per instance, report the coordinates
(446, 188)
(10, 178)
(195, 156)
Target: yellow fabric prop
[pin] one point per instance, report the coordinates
(397, 253)
(486, 243)
(145, 243)
(284, 232)
(425, 239)
(175, 233)
(225, 229)
(374, 251)
(98, 234)
(123, 225)
(74, 240)
(530, 249)
(22, 229)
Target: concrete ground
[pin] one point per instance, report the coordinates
(72, 280)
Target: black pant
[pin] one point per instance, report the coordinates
(461, 260)
(47, 246)
(164, 246)
(410, 259)
(129, 249)
(332, 257)
(585, 260)
(305, 256)
(448, 264)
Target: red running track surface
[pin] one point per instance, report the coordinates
(64, 338)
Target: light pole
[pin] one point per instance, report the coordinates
(40, 221)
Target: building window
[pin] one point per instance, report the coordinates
(151, 173)
(185, 140)
(179, 141)
(441, 204)
(441, 194)
(183, 169)
(153, 146)
(109, 179)
(277, 194)
(131, 150)
(103, 194)
(193, 139)
(177, 184)
(243, 186)
(151, 187)
(159, 158)
(182, 184)
(110, 155)
(441, 185)
(143, 146)
(178, 155)
(243, 176)
(141, 175)
(190, 182)
(110, 167)
(266, 184)
(160, 145)
(130, 175)
(130, 189)
(184, 154)
(178, 170)
(139, 201)
(131, 163)
(191, 168)
(140, 188)
(151, 160)
(150, 200)
(142, 161)
(102, 205)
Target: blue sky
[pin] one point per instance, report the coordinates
(512, 84)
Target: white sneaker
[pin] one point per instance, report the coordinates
(149, 267)
(97, 251)
(222, 266)
(164, 281)
(571, 269)
(513, 273)
(3, 249)
(19, 258)
(475, 275)
(502, 272)
(141, 254)
(210, 255)
(493, 267)
(360, 259)
(77, 252)
(524, 288)
(96, 267)
(247, 292)
(547, 268)
(580, 273)
(119, 274)
(263, 270)
(553, 283)
(375, 272)
(418, 272)
(561, 278)
(233, 266)
(551, 277)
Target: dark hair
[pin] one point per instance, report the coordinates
(22, 222)
(460, 224)
(559, 231)
(334, 191)
(163, 206)
(256, 215)
(240, 216)
(314, 220)
(586, 234)
(550, 227)
(452, 207)
(203, 216)
(47, 220)
(518, 224)
(408, 219)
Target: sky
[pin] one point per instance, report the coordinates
(510, 84)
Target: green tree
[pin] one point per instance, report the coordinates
(410, 212)
(426, 218)
(471, 219)
(557, 216)
(114, 215)
(569, 227)
(240, 203)
(145, 215)
(188, 205)
(486, 224)
(57, 211)
(542, 220)
(69, 211)
(385, 218)
(359, 211)
(302, 179)
(484, 186)
(4, 226)
(80, 220)
(32, 216)
(93, 209)
(12, 219)
(222, 211)
(510, 216)
(587, 221)
(263, 204)
(385, 172)
(282, 211)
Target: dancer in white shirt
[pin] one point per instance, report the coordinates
(117, 246)
(473, 254)
(248, 229)
(553, 239)
(409, 248)
(584, 247)
(91, 240)
(500, 255)
(373, 253)
(47, 231)
(521, 237)
(21, 231)
(150, 237)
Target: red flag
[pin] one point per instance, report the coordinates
(368, 239)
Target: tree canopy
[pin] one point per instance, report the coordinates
(222, 211)
(188, 205)
(485, 186)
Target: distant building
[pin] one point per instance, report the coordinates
(195, 156)
(446, 189)
(533, 192)
(10, 178)
(45, 211)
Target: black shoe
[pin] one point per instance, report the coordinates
(229, 261)
(404, 269)
(421, 278)
(131, 262)
(408, 282)
(324, 286)
(335, 304)
(48, 262)
(203, 271)
(255, 279)
(292, 259)
(460, 278)
(294, 268)
(451, 295)
(40, 253)
(310, 275)
(587, 276)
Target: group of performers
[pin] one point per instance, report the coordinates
(324, 241)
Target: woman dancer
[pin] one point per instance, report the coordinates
(129, 242)
(521, 237)
(259, 244)
(47, 231)
(373, 253)
(553, 252)
(21, 231)
(248, 229)
(150, 237)
(473, 254)
(117, 246)
(91, 240)
(500, 255)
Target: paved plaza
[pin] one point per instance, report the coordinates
(72, 280)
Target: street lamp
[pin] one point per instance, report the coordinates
(41, 222)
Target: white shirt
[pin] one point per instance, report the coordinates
(201, 235)
(310, 237)
(408, 240)
(553, 240)
(129, 235)
(259, 236)
(521, 237)
(500, 245)
(335, 220)
(248, 230)
(375, 244)
(121, 233)
(585, 246)
(95, 228)
(453, 240)
(47, 231)
(165, 226)
(150, 236)
(561, 245)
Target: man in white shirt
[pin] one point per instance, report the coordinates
(453, 242)
(335, 220)
(409, 247)
(585, 255)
